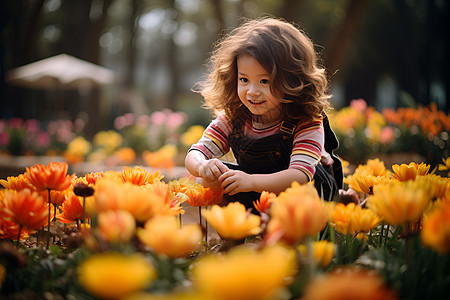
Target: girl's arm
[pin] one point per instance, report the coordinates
(234, 181)
(200, 166)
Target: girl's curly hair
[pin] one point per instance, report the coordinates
(285, 52)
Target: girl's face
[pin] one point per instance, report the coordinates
(254, 89)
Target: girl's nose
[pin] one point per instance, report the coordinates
(253, 90)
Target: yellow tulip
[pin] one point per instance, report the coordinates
(406, 172)
(192, 135)
(363, 220)
(166, 296)
(323, 252)
(445, 166)
(109, 140)
(374, 167)
(114, 275)
(353, 218)
(400, 203)
(244, 273)
(233, 221)
(347, 283)
(439, 185)
(164, 235)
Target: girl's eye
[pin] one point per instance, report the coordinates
(265, 81)
(243, 79)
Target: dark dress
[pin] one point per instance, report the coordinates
(272, 154)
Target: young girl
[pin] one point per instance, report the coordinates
(270, 99)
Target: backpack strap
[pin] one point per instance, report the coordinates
(287, 128)
(331, 144)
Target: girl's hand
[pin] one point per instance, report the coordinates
(211, 169)
(235, 181)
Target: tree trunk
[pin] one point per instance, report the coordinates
(343, 34)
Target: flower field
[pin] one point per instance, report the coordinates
(363, 132)
(132, 233)
(124, 235)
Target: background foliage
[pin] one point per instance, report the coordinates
(391, 53)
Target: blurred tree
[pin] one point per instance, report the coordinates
(19, 37)
(342, 34)
(158, 47)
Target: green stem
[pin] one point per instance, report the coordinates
(348, 248)
(380, 238)
(38, 236)
(49, 212)
(332, 234)
(18, 237)
(407, 245)
(325, 232)
(54, 220)
(206, 231)
(84, 209)
(200, 217)
(310, 251)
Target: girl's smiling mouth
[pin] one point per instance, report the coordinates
(255, 102)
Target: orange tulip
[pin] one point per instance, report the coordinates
(201, 196)
(341, 216)
(51, 177)
(265, 200)
(125, 155)
(107, 196)
(10, 230)
(347, 283)
(162, 158)
(143, 202)
(26, 208)
(91, 178)
(139, 176)
(58, 197)
(71, 209)
(116, 226)
(16, 183)
(172, 201)
(298, 213)
(436, 229)
(164, 235)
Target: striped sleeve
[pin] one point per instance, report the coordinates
(213, 143)
(307, 148)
